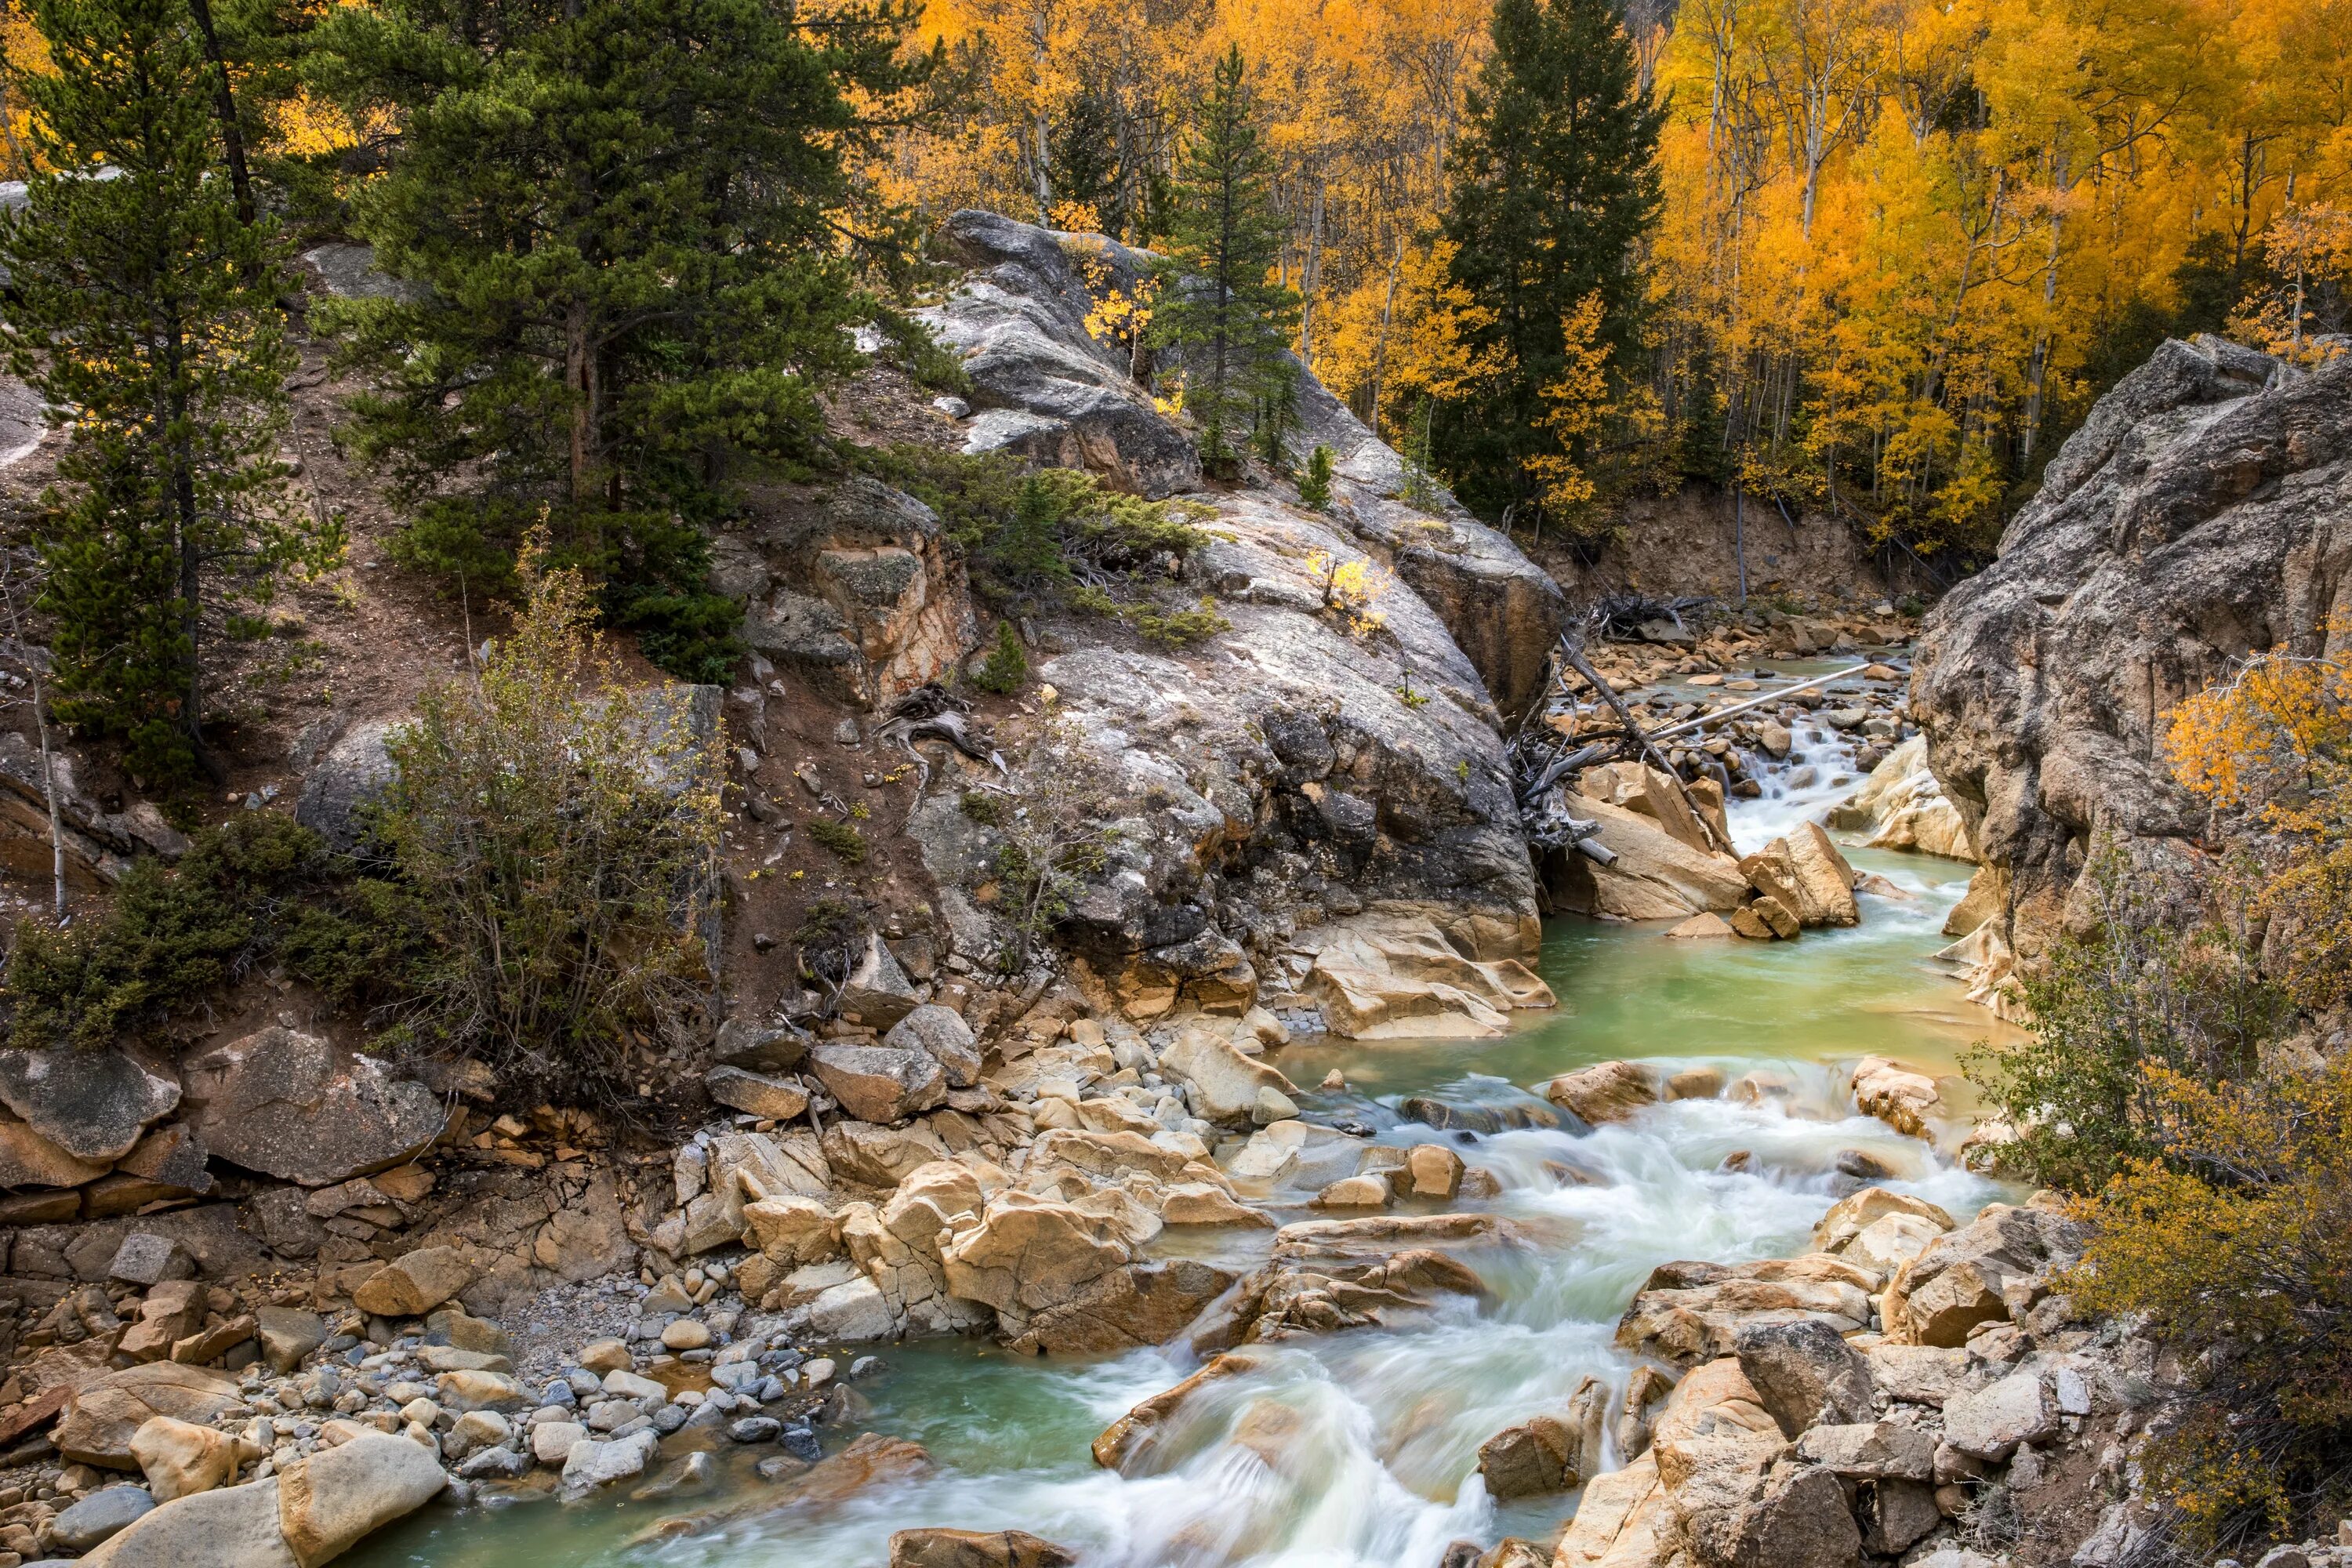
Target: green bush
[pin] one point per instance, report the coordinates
(2133, 994)
(1006, 668)
(258, 888)
(1315, 484)
(1035, 536)
(650, 569)
(844, 840)
(1180, 629)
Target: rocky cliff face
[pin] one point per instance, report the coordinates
(2203, 513)
(1046, 389)
(1292, 768)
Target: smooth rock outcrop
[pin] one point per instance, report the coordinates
(230, 1527)
(942, 1548)
(290, 1105)
(1607, 1091)
(1389, 974)
(180, 1458)
(1654, 875)
(327, 1502)
(1803, 871)
(1046, 389)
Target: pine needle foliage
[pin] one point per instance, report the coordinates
(144, 312)
(619, 226)
(1228, 316)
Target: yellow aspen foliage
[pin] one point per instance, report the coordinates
(1352, 592)
(1400, 337)
(1574, 408)
(2272, 747)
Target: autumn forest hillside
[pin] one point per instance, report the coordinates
(1901, 248)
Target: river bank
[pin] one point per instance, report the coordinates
(1362, 1447)
(1425, 1251)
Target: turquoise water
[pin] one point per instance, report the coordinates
(1359, 1448)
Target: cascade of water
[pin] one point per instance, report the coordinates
(1359, 1449)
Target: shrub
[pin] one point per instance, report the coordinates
(1035, 535)
(2271, 750)
(2134, 994)
(2237, 1247)
(1180, 629)
(844, 840)
(1315, 484)
(257, 888)
(558, 838)
(1006, 668)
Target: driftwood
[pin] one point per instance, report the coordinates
(1543, 763)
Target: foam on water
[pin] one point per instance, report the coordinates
(1358, 1449)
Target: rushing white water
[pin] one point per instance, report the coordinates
(1358, 1449)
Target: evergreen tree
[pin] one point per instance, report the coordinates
(1226, 314)
(1555, 183)
(619, 225)
(145, 312)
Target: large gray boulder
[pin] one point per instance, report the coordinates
(1505, 611)
(942, 1035)
(1805, 1372)
(346, 782)
(879, 1083)
(232, 1527)
(2201, 513)
(293, 1106)
(93, 1104)
(1047, 389)
(1284, 772)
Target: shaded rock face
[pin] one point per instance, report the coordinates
(1045, 388)
(853, 588)
(2202, 512)
(93, 1104)
(1504, 610)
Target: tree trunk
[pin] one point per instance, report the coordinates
(1309, 281)
(1381, 346)
(576, 375)
(240, 182)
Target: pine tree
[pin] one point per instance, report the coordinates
(1226, 314)
(620, 223)
(146, 307)
(1555, 184)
